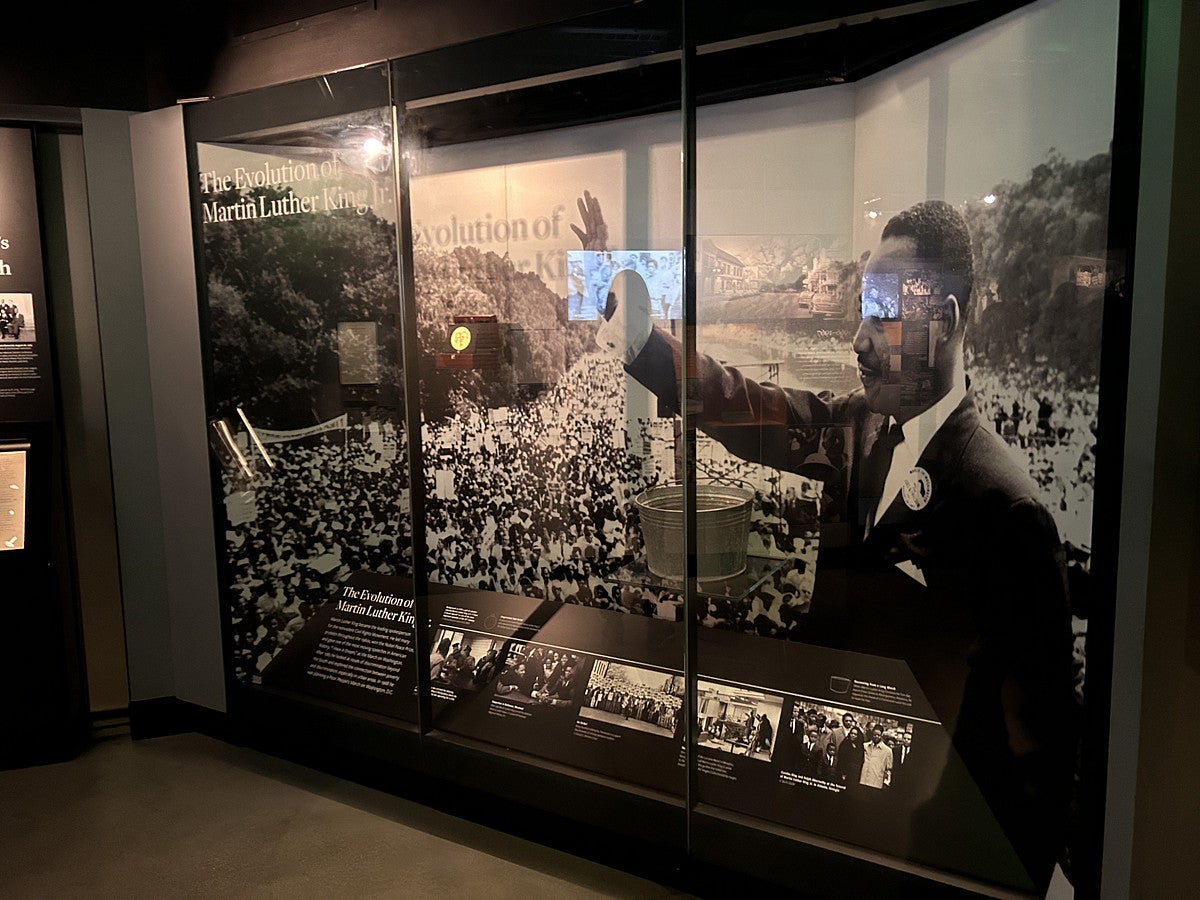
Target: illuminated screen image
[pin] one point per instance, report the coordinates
(881, 296)
(12, 498)
(590, 272)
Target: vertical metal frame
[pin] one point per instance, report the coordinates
(401, 157)
(688, 400)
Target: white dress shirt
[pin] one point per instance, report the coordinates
(918, 432)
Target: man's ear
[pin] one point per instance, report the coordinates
(953, 314)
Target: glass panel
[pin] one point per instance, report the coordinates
(901, 277)
(537, 208)
(296, 203)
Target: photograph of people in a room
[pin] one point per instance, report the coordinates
(16, 318)
(738, 720)
(464, 660)
(542, 676)
(843, 746)
(632, 697)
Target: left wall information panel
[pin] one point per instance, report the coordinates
(296, 207)
(26, 393)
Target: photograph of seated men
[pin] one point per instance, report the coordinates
(541, 676)
(953, 564)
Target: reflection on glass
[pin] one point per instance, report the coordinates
(299, 254)
(892, 357)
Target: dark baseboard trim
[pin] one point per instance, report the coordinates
(163, 716)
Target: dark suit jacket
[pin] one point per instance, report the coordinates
(988, 639)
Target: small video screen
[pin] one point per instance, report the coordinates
(590, 273)
(881, 295)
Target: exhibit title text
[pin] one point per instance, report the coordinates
(375, 605)
(291, 180)
(550, 265)
(267, 175)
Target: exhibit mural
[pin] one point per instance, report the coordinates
(299, 259)
(894, 371)
(961, 544)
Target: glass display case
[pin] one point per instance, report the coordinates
(712, 399)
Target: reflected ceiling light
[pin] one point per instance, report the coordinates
(372, 147)
(872, 214)
(989, 199)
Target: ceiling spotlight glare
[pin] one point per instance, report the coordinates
(872, 214)
(376, 154)
(989, 199)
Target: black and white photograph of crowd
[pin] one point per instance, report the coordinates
(16, 318)
(843, 747)
(633, 697)
(328, 507)
(280, 292)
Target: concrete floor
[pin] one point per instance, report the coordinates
(191, 816)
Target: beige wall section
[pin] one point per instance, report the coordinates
(72, 293)
(176, 372)
(1167, 811)
(137, 498)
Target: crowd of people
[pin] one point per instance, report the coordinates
(615, 695)
(1050, 426)
(538, 501)
(834, 746)
(330, 506)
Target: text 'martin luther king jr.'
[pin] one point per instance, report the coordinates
(955, 566)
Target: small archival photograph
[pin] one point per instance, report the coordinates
(540, 676)
(738, 720)
(763, 277)
(842, 746)
(646, 700)
(16, 318)
(591, 272)
(881, 295)
(463, 660)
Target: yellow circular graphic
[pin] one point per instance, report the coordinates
(460, 338)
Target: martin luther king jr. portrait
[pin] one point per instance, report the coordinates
(953, 566)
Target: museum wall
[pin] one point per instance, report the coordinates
(1167, 816)
(351, 34)
(72, 298)
(126, 357)
(837, 140)
(177, 397)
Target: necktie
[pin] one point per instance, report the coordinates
(878, 463)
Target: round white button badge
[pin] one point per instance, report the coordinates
(917, 489)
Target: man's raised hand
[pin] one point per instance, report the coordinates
(594, 234)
